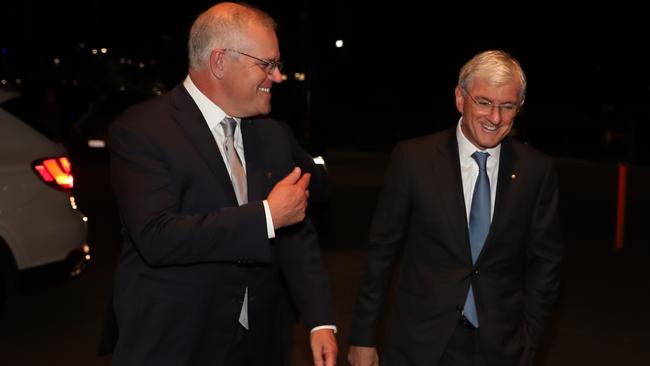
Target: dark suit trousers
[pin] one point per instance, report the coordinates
(463, 349)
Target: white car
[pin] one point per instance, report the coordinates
(39, 221)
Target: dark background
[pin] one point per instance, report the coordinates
(588, 87)
(587, 67)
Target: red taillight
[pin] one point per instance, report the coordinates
(56, 172)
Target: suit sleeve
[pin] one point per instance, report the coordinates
(385, 245)
(544, 253)
(151, 207)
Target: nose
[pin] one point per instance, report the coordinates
(495, 115)
(275, 75)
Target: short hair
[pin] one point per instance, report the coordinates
(226, 29)
(495, 67)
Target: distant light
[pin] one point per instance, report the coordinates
(75, 82)
(141, 65)
(81, 45)
(19, 81)
(57, 61)
(339, 43)
(73, 202)
(3, 82)
(284, 77)
(129, 61)
(122, 88)
(122, 60)
(103, 50)
(94, 51)
(96, 143)
(319, 160)
(85, 219)
(299, 76)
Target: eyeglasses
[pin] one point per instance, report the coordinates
(267, 65)
(486, 106)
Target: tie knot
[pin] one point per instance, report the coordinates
(229, 124)
(481, 159)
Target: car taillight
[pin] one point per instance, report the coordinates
(56, 172)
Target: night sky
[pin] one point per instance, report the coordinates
(587, 68)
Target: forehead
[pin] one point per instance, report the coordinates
(262, 39)
(502, 92)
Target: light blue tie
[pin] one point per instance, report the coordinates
(479, 225)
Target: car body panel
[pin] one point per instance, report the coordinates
(37, 221)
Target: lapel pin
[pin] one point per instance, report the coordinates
(513, 176)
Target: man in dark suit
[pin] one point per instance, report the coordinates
(213, 210)
(464, 298)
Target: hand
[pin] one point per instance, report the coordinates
(288, 199)
(323, 347)
(363, 356)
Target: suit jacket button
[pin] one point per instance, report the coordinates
(476, 272)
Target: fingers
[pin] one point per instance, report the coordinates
(303, 182)
(292, 177)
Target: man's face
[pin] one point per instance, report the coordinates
(488, 111)
(247, 83)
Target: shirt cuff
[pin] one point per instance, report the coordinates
(332, 327)
(269, 220)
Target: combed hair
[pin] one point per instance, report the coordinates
(222, 30)
(495, 67)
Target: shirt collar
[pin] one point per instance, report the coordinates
(466, 148)
(212, 113)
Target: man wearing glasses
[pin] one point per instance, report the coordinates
(472, 215)
(213, 210)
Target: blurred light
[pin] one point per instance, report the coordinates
(339, 43)
(141, 65)
(319, 160)
(4, 50)
(81, 45)
(87, 257)
(103, 50)
(122, 60)
(85, 248)
(96, 143)
(129, 61)
(122, 88)
(57, 61)
(73, 202)
(3, 82)
(75, 82)
(300, 76)
(284, 77)
(94, 51)
(84, 219)
(19, 81)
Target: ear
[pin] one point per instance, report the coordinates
(460, 98)
(217, 60)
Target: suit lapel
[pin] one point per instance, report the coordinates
(187, 114)
(254, 154)
(446, 168)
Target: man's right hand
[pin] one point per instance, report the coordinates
(363, 356)
(288, 199)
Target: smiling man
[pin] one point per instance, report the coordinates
(213, 211)
(472, 215)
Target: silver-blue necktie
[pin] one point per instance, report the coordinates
(479, 225)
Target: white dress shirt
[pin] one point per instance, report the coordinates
(469, 169)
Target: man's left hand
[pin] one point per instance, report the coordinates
(323, 347)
